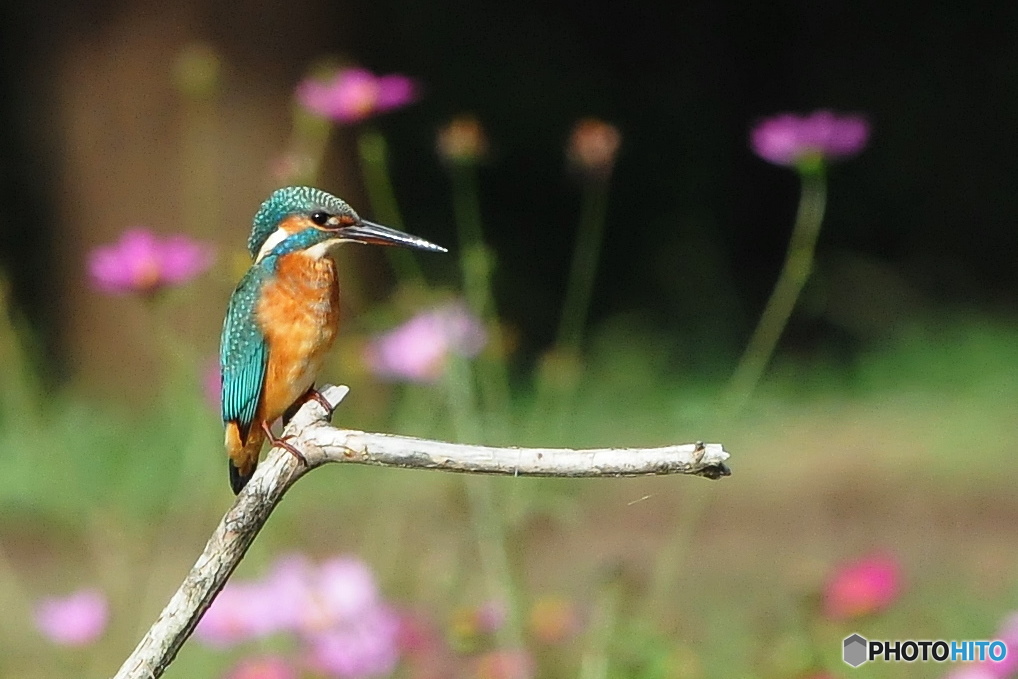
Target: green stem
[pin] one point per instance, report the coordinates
(558, 375)
(594, 660)
(373, 151)
(473, 251)
(797, 268)
(476, 263)
(489, 530)
(201, 196)
(670, 565)
(311, 137)
(583, 271)
(20, 392)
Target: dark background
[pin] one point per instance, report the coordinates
(924, 219)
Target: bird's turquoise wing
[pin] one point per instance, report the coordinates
(243, 352)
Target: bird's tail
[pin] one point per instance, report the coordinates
(243, 454)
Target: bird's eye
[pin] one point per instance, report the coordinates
(320, 218)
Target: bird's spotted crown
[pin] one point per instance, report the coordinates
(292, 200)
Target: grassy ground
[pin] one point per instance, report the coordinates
(908, 451)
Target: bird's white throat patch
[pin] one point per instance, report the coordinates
(321, 249)
(277, 237)
(314, 252)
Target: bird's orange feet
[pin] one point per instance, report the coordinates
(283, 443)
(311, 393)
(317, 395)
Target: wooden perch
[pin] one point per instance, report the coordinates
(321, 443)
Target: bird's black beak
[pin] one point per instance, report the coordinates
(376, 234)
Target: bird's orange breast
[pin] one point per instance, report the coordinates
(299, 316)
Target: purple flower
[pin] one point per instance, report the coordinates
(363, 646)
(979, 671)
(348, 631)
(989, 669)
(335, 608)
(75, 620)
(416, 351)
(354, 94)
(792, 140)
(142, 262)
(862, 587)
(312, 598)
(1008, 633)
(242, 611)
(263, 667)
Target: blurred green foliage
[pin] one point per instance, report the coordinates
(906, 451)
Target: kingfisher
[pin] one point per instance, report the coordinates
(283, 317)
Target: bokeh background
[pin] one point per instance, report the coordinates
(882, 432)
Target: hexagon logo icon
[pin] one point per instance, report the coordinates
(853, 650)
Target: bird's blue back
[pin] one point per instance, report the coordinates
(243, 351)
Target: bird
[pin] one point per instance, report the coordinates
(283, 317)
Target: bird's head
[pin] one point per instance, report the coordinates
(303, 218)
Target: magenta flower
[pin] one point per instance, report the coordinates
(312, 598)
(355, 94)
(335, 608)
(263, 667)
(862, 587)
(417, 350)
(242, 611)
(348, 630)
(799, 141)
(75, 620)
(364, 646)
(1008, 633)
(989, 669)
(142, 262)
(978, 671)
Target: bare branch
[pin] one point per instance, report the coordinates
(321, 443)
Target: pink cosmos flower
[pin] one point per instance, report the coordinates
(364, 646)
(979, 671)
(75, 620)
(988, 669)
(348, 630)
(354, 94)
(1008, 633)
(335, 608)
(242, 611)
(416, 351)
(862, 587)
(142, 262)
(792, 140)
(263, 667)
(313, 597)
